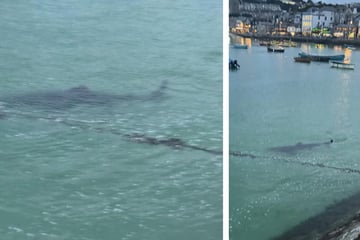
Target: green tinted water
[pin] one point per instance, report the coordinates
(83, 180)
(275, 101)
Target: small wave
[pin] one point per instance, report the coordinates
(16, 229)
(87, 121)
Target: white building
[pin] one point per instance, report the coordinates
(323, 19)
(306, 25)
(317, 18)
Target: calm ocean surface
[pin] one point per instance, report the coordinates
(70, 173)
(275, 101)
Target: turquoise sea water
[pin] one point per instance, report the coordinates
(275, 101)
(70, 173)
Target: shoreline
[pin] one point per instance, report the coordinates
(338, 221)
(301, 39)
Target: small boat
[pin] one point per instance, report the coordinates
(323, 58)
(302, 59)
(277, 49)
(264, 43)
(289, 44)
(240, 46)
(284, 43)
(233, 65)
(342, 65)
(351, 47)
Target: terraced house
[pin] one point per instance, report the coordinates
(318, 20)
(263, 17)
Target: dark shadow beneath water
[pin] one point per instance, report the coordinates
(322, 225)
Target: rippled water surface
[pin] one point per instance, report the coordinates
(68, 168)
(276, 102)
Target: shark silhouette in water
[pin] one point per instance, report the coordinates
(293, 149)
(176, 143)
(298, 147)
(80, 95)
(65, 99)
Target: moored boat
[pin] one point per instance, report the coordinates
(240, 46)
(284, 43)
(342, 65)
(351, 47)
(264, 43)
(302, 59)
(323, 58)
(275, 49)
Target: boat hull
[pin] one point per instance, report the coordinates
(323, 58)
(302, 59)
(240, 46)
(342, 65)
(276, 49)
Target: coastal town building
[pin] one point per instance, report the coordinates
(316, 20)
(298, 19)
(306, 25)
(259, 7)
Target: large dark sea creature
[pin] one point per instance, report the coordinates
(171, 142)
(80, 95)
(290, 156)
(298, 147)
